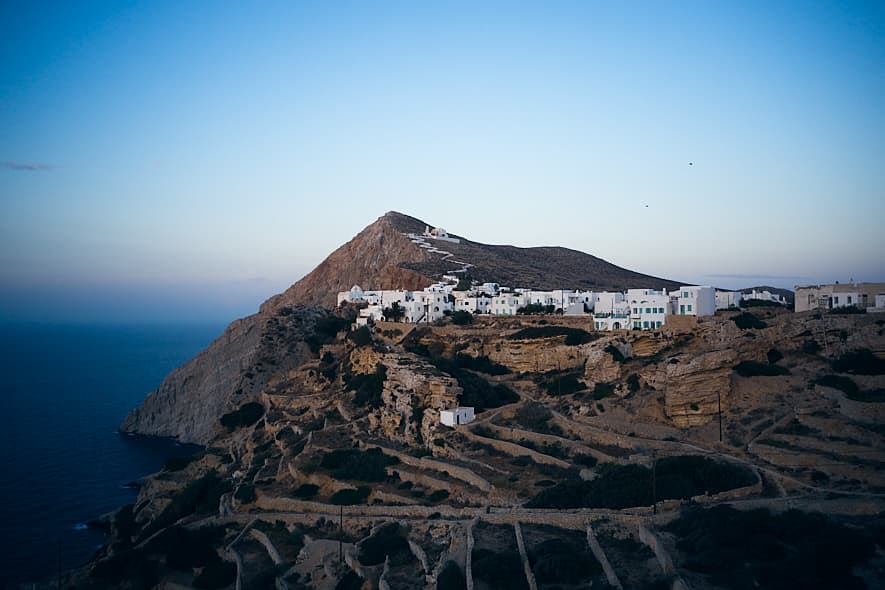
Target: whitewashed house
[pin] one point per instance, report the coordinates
(765, 295)
(506, 303)
(648, 308)
(728, 299)
(456, 416)
(694, 300)
(611, 311)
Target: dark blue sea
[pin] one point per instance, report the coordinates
(63, 392)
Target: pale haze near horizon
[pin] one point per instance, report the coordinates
(168, 162)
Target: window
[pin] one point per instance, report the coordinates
(836, 299)
(849, 300)
(647, 310)
(685, 294)
(636, 324)
(645, 325)
(689, 307)
(659, 324)
(682, 310)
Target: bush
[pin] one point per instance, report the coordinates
(245, 493)
(438, 496)
(451, 577)
(462, 318)
(624, 486)
(198, 497)
(747, 320)
(479, 363)
(844, 384)
(534, 416)
(810, 347)
(185, 549)
(369, 465)
(556, 562)
(573, 336)
(633, 382)
(179, 463)
(306, 490)
(848, 310)
(756, 369)
(350, 581)
(603, 390)
(368, 387)
(360, 337)
(351, 496)
(564, 383)
(388, 540)
(499, 569)
(325, 331)
(859, 362)
(217, 575)
(740, 549)
(247, 415)
(774, 355)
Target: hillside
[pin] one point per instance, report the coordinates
(381, 256)
(588, 448)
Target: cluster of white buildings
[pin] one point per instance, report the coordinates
(638, 309)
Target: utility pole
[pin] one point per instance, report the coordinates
(719, 404)
(654, 489)
(340, 533)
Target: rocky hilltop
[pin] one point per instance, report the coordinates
(382, 256)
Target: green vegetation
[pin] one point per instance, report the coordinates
(573, 336)
(179, 463)
(438, 496)
(556, 383)
(481, 364)
(368, 387)
(477, 392)
(536, 308)
(199, 497)
(534, 416)
(556, 562)
(394, 313)
(875, 396)
(859, 362)
(245, 493)
(306, 490)
(774, 355)
(848, 310)
(325, 331)
(362, 336)
(247, 415)
(131, 566)
(368, 465)
(603, 390)
(744, 550)
(810, 347)
(633, 383)
(843, 384)
(623, 486)
(451, 577)
(350, 581)
(186, 549)
(388, 540)
(747, 320)
(351, 496)
(217, 575)
(462, 318)
(795, 428)
(756, 369)
(501, 569)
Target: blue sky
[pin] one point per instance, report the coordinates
(167, 161)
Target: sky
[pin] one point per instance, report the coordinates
(183, 161)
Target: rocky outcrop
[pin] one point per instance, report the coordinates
(235, 368)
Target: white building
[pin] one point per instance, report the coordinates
(648, 308)
(728, 299)
(464, 301)
(694, 300)
(870, 296)
(456, 416)
(611, 311)
(439, 233)
(765, 295)
(507, 303)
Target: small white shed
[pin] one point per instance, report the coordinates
(456, 416)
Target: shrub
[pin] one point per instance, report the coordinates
(848, 310)
(623, 486)
(747, 320)
(216, 575)
(756, 369)
(479, 363)
(369, 465)
(561, 383)
(534, 416)
(810, 347)
(360, 337)
(179, 463)
(306, 490)
(633, 382)
(574, 336)
(198, 497)
(499, 569)
(247, 415)
(603, 390)
(774, 355)
(462, 318)
(556, 562)
(350, 581)
(859, 362)
(451, 577)
(325, 330)
(350, 496)
(186, 549)
(843, 384)
(438, 496)
(368, 387)
(245, 493)
(585, 459)
(740, 549)
(388, 540)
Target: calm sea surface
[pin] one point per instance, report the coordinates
(63, 392)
